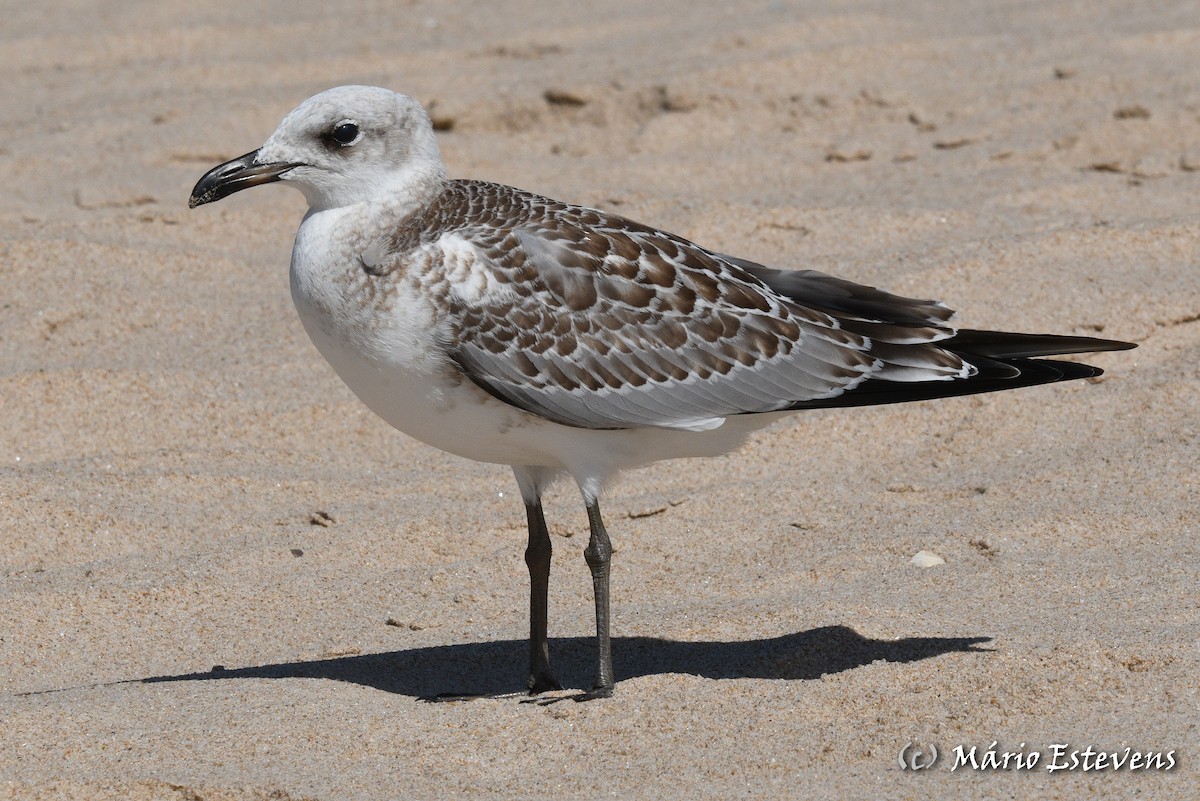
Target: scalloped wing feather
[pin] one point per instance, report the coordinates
(595, 321)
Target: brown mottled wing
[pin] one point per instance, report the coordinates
(594, 321)
(864, 309)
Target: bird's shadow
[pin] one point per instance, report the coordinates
(492, 668)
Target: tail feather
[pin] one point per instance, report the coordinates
(1006, 345)
(1003, 361)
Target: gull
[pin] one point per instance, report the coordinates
(506, 327)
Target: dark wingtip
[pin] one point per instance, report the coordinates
(998, 376)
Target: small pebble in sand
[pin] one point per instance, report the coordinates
(562, 97)
(847, 155)
(922, 121)
(984, 547)
(322, 519)
(649, 511)
(1134, 112)
(955, 144)
(927, 559)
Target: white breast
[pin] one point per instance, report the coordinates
(381, 336)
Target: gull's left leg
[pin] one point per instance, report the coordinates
(537, 559)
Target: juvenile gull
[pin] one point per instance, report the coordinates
(506, 327)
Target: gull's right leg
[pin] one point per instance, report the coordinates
(599, 559)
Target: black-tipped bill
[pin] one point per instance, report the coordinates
(234, 176)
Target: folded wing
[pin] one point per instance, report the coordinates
(595, 321)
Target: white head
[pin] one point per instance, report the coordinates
(346, 145)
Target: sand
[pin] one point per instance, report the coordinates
(222, 578)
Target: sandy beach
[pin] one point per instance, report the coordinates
(222, 578)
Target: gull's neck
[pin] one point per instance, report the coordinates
(390, 193)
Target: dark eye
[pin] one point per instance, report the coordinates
(346, 133)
